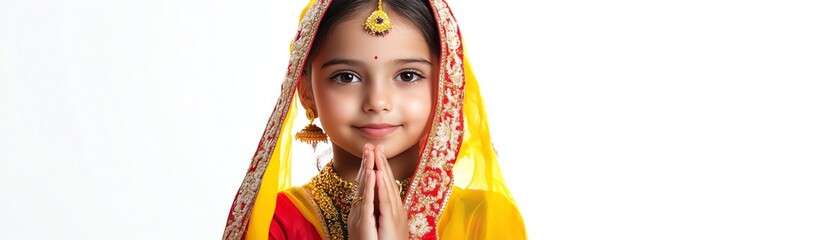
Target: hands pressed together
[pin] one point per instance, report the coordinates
(377, 211)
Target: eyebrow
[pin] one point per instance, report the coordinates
(341, 61)
(338, 61)
(412, 60)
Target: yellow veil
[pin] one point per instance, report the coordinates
(457, 192)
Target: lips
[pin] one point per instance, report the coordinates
(377, 130)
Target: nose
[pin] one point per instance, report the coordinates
(379, 96)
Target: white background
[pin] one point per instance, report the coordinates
(613, 119)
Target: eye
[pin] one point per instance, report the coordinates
(345, 77)
(409, 76)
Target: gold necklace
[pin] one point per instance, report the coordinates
(333, 196)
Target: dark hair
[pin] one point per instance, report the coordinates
(417, 12)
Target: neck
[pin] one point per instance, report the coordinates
(346, 164)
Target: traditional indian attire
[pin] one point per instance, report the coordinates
(456, 192)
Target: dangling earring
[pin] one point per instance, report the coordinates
(311, 134)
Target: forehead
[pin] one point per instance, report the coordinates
(348, 39)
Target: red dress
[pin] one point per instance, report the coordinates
(289, 223)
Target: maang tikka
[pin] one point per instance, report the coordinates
(311, 134)
(378, 24)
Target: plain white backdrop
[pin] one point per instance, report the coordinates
(613, 119)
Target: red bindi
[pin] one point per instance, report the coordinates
(375, 57)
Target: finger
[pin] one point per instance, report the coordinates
(366, 185)
(368, 165)
(385, 198)
(386, 184)
(359, 177)
(367, 201)
(393, 194)
(362, 223)
(391, 179)
(377, 157)
(382, 162)
(390, 182)
(386, 164)
(367, 161)
(397, 206)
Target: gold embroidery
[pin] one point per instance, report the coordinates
(430, 193)
(418, 223)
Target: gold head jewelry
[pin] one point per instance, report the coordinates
(311, 134)
(378, 24)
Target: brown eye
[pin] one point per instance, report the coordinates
(408, 76)
(345, 77)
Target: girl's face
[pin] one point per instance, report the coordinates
(371, 89)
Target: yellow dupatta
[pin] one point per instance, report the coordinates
(457, 192)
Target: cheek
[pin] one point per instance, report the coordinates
(418, 105)
(334, 107)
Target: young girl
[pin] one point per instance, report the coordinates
(412, 157)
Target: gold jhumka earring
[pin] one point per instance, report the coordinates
(378, 24)
(311, 134)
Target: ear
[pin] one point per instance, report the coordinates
(305, 94)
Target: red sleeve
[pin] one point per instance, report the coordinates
(289, 223)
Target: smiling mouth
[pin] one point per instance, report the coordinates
(377, 130)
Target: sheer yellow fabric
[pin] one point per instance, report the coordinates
(479, 207)
(299, 199)
(278, 175)
(277, 178)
